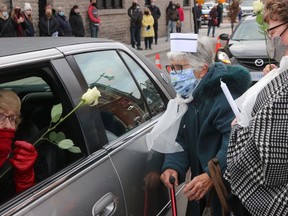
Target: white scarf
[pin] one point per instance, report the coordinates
(246, 102)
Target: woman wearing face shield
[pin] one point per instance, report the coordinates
(205, 127)
(257, 161)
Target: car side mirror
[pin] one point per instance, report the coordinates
(224, 36)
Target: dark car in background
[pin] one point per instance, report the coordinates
(246, 46)
(114, 174)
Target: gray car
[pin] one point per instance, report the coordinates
(246, 46)
(114, 174)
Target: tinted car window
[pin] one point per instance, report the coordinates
(121, 104)
(241, 32)
(152, 96)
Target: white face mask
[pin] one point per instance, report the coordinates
(5, 14)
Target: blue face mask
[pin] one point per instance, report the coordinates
(184, 82)
(61, 13)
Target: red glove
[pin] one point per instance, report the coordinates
(6, 137)
(24, 157)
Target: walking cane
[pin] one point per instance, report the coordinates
(173, 198)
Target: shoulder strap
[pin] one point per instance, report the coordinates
(216, 176)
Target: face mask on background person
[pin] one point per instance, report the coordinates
(61, 13)
(184, 82)
(276, 48)
(153, 4)
(5, 14)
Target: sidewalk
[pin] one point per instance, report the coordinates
(164, 46)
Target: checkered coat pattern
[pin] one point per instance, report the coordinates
(257, 156)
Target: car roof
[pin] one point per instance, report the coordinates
(12, 46)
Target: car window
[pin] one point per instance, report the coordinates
(151, 95)
(241, 33)
(122, 106)
(37, 99)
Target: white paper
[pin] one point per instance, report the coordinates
(230, 99)
(183, 42)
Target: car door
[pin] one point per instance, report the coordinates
(131, 101)
(89, 183)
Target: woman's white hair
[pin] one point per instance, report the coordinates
(204, 54)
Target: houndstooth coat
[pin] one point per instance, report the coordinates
(257, 156)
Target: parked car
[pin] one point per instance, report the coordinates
(112, 174)
(247, 7)
(246, 46)
(205, 14)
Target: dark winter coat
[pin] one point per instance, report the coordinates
(172, 14)
(135, 14)
(48, 26)
(205, 128)
(64, 26)
(155, 12)
(7, 28)
(29, 31)
(213, 15)
(76, 24)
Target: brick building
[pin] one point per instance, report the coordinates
(113, 13)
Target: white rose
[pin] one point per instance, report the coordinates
(258, 7)
(91, 96)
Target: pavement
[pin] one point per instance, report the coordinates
(164, 46)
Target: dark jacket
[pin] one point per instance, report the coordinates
(213, 15)
(135, 14)
(29, 31)
(172, 14)
(76, 24)
(64, 26)
(205, 128)
(155, 12)
(48, 26)
(7, 28)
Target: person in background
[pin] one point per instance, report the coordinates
(205, 127)
(76, 22)
(147, 28)
(64, 25)
(156, 13)
(179, 23)
(19, 155)
(94, 18)
(27, 14)
(220, 13)
(48, 24)
(240, 14)
(197, 13)
(212, 21)
(172, 16)
(257, 152)
(19, 19)
(135, 15)
(7, 25)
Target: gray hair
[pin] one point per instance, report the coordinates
(204, 54)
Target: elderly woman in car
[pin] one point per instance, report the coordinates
(18, 154)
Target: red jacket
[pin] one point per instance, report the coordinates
(93, 14)
(181, 14)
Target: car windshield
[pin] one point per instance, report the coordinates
(205, 7)
(248, 30)
(247, 3)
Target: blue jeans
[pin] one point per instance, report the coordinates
(135, 35)
(94, 29)
(213, 30)
(171, 28)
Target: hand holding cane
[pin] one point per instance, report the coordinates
(173, 198)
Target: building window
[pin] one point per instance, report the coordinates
(109, 4)
(185, 2)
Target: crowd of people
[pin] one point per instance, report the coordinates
(54, 23)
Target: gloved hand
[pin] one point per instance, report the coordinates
(6, 137)
(24, 157)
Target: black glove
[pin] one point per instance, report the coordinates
(148, 27)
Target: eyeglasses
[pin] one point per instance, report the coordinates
(270, 35)
(13, 119)
(177, 68)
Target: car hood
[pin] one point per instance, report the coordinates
(255, 48)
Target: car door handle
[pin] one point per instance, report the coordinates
(105, 206)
